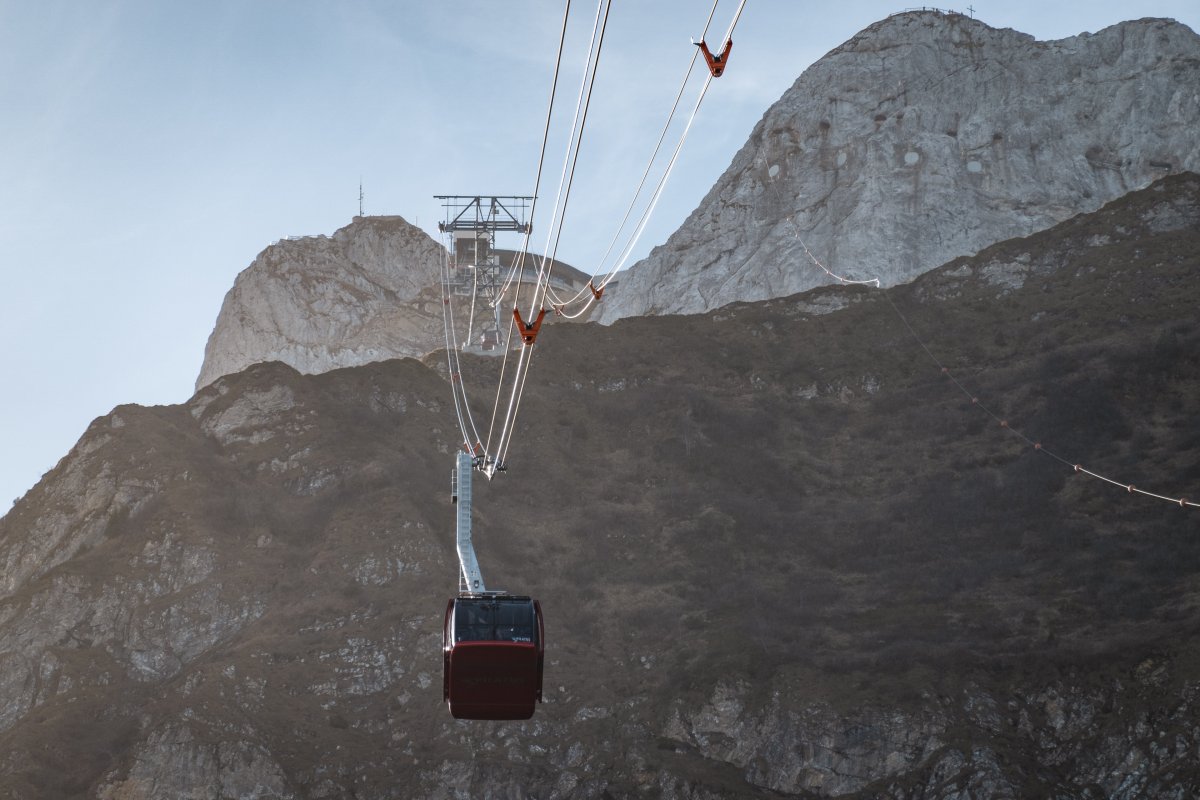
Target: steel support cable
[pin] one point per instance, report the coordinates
(520, 273)
(674, 157)
(450, 346)
(641, 184)
(453, 360)
(471, 310)
(519, 392)
(448, 325)
(658, 189)
(571, 144)
(516, 409)
(576, 125)
(519, 261)
(512, 324)
(662, 182)
(544, 272)
(733, 23)
(1037, 446)
(455, 365)
(649, 210)
(449, 363)
(574, 140)
(502, 453)
(646, 214)
(566, 179)
(517, 269)
(850, 281)
(728, 33)
(505, 429)
(543, 283)
(816, 261)
(708, 21)
(462, 388)
(645, 174)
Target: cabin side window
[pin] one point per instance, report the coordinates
(476, 621)
(514, 622)
(473, 622)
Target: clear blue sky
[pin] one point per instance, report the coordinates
(149, 150)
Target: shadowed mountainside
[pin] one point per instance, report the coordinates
(779, 552)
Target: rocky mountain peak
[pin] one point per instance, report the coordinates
(925, 137)
(366, 293)
(370, 292)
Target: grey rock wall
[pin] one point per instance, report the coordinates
(926, 137)
(367, 293)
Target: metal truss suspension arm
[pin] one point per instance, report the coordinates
(470, 578)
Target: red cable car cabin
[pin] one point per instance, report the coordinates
(493, 648)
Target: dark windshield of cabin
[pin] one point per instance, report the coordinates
(492, 620)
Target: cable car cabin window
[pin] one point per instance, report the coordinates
(494, 620)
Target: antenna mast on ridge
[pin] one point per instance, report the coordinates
(360, 196)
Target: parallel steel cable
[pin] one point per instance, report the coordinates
(1004, 423)
(576, 125)
(506, 429)
(645, 218)
(539, 302)
(658, 189)
(871, 281)
(576, 134)
(538, 296)
(662, 136)
(645, 173)
(519, 264)
(733, 24)
(462, 387)
(453, 351)
(554, 253)
(519, 392)
(708, 21)
(542, 287)
(544, 274)
(816, 261)
(628, 249)
(728, 34)
(451, 345)
(519, 261)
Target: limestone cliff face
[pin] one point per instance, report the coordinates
(926, 137)
(367, 293)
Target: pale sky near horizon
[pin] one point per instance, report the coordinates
(149, 150)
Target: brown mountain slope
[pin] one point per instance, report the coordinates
(780, 555)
